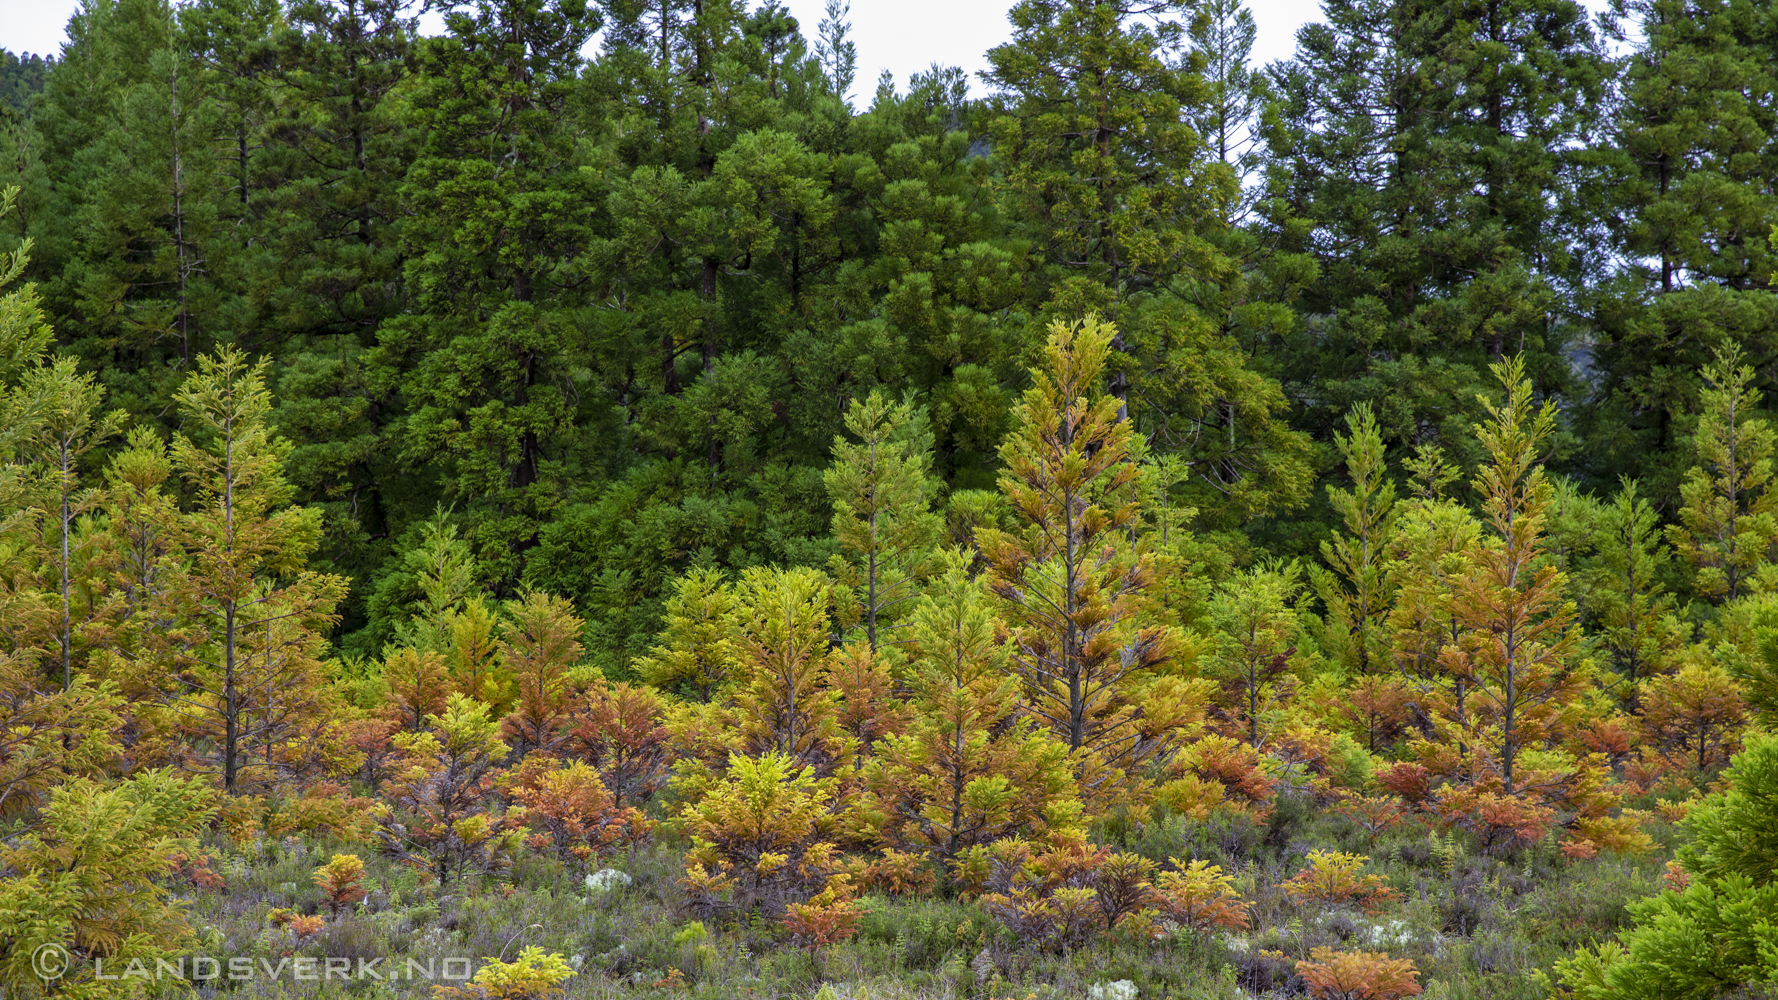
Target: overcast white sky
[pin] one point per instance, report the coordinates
(904, 36)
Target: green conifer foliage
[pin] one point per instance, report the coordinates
(87, 879)
(488, 360)
(1728, 524)
(1258, 625)
(1713, 933)
(1102, 164)
(1423, 153)
(697, 647)
(1686, 206)
(966, 772)
(882, 493)
(783, 703)
(1361, 586)
(1628, 593)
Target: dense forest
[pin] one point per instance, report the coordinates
(649, 513)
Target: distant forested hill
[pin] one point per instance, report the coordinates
(22, 78)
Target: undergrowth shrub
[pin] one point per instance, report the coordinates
(342, 881)
(570, 810)
(1333, 878)
(1199, 897)
(1358, 975)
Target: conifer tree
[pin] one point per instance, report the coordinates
(882, 491)
(126, 216)
(967, 771)
(1434, 545)
(1628, 596)
(230, 632)
(435, 578)
(150, 238)
(539, 642)
(697, 647)
(25, 334)
(1708, 933)
(783, 703)
(486, 360)
(337, 215)
(1102, 163)
(1073, 574)
(69, 426)
(435, 810)
(472, 654)
(1359, 590)
(1683, 202)
(618, 729)
(870, 708)
(1728, 524)
(231, 42)
(1257, 625)
(1228, 115)
(52, 737)
(88, 880)
(836, 50)
(1698, 710)
(1423, 155)
(418, 686)
(1126, 210)
(1519, 642)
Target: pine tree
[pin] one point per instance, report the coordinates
(1686, 210)
(52, 737)
(697, 647)
(539, 643)
(1257, 627)
(138, 293)
(1707, 935)
(618, 728)
(836, 50)
(1423, 154)
(121, 230)
(25, 334)
(1073, 575)
(967, 772)
(783, 703)
(89, 878)
(230, 632)
(1228, 115)
(67, 403)
(434, 811)
(486, 358)
(1126, 210)
(433, 576)
(1103, 168)
(231, 43)
(882, 492)
(1519, 642)
(1435, 546)
(1358, 598)
(22, 78)
(1728, 524)
(1698, 710)
(328, 272)
(1628, 596)
(418, 686)
(340, 151)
